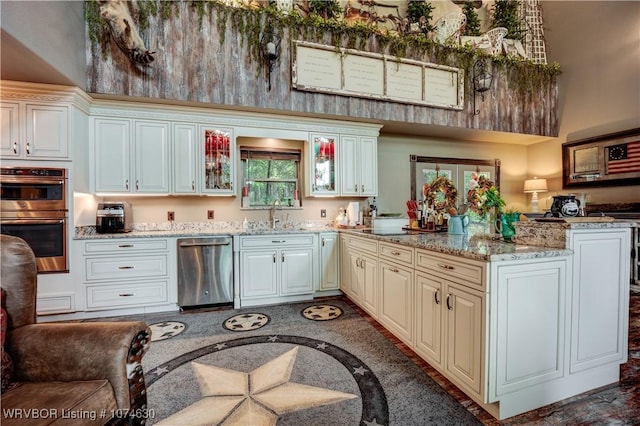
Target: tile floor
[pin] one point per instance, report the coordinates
(616, 404)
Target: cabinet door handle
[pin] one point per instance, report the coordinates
(358, 262)
(193, 185)
(15, 147)
(282, 257)
(435, 296)
(28, 148)
(126, 294)
(126, 267)
(448, 267)
(449, 305)
(362, 263)
(355, 189)
(323, 242)
(362, 189)
(125, 245)
(394, 270)
(137, 184)
(126, 184)
(274, 258)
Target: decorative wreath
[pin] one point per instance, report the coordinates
(483, 196)
(441, 193)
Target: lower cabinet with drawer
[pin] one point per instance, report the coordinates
(125, 273)
(278, 268)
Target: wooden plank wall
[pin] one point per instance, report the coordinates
(192, 65)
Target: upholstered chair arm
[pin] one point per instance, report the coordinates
(84, 351)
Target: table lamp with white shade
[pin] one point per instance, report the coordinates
(534, 186)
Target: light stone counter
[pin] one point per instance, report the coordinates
(556, 234)
(204, 229)
(472, 247)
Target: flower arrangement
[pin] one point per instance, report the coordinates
(483, 196)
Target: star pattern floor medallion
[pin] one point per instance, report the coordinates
(321, 312)
(256, 398)
(246, 322)
(271, 390)
(165, 330)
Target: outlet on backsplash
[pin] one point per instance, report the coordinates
(171, 216)
(323, 213)
(210, 214)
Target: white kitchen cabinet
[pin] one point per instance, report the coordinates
(329, 261)
(600, 297)
(35, 131)
(396, 300)
(529, 326)
(358, 166)
(112, 155)
(396, 290)
(450, 318)
(360, 279)
(277, 268)
(131, 156)
(185, 159)
(323, 165)
(429, 317)
(126, 272)
(217, 167)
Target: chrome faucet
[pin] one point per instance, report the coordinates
(272, 213)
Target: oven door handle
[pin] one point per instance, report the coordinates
(33, 221)
(43, 180)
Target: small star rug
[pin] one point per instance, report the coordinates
(294, 364)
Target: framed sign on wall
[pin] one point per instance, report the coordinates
(608, 160)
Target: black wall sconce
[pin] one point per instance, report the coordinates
(482, 79)
(270, 48)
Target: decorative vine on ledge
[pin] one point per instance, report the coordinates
(525, 76)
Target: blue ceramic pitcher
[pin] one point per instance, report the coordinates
(458, 224)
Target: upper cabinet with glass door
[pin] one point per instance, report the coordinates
(323, 164)
(218, 161)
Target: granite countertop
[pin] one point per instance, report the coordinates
(204, 229)
(472, 247)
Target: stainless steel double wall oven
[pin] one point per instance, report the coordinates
(33, 204)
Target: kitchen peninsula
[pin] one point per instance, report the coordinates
(515, 326)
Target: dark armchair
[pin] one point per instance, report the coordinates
(62, 373)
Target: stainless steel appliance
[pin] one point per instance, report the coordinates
(114, 217)
(34, 207)
(205, 271)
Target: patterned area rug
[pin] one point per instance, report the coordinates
(296, 364)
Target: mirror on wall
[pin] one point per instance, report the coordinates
(459, 170)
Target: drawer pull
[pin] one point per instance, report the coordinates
(125, 245)
(395, 253)
(126, 294)
(394, 270)
(278, 241)
(126, 267)
(443, 266)
(435, 296)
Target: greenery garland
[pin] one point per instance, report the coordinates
(524, 76)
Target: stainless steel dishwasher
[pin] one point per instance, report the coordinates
(205, 271)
